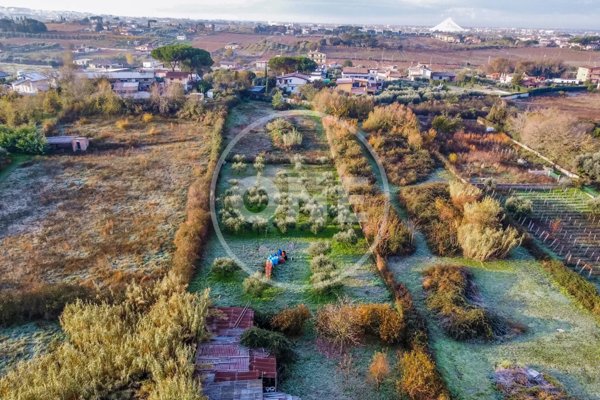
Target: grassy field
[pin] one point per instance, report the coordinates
(104, 216)
(318, 373)
(561, 339)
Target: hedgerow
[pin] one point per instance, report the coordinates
(449, 292)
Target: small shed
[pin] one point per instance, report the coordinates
(75, 143)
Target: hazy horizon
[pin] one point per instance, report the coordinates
(549, 14)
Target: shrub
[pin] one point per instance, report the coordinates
(284, 134)
(291, 139)
(396, 120)
(255, 285)
(284, 216)
(481, 235)
(429, 205)
(462, 193)
(382, 321)
(26, 139)
(123, 124)
(338, 323)
(147, 118)
(278, 102)
(290, 321)
(483, 213)
(486, 243)
(49, 126)
(340, 104)
(224, 267)
(256, 198)
(259, 224)
(276, 343)
(589, 165)
(322, 263)
(448, 291)
(594, 205)
(518, 206)
(419, 377)
(318, 248)
(345, 324)
(239, 163)
(259, 163)
(347, 237)
(191, 234)
(379, 369)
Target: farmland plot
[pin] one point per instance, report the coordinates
(563, 222)
(318, 372)
(102, 217)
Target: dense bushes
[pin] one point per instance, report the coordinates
(589, 165)
(357, 178)
(276, 343)
(419, 377)
(429, 205)
(255, 285)
(224, 268)
(26, 139)
(284, 134)
(481, 235)
(518, 206)
(190, 235)
(342, 105)
(46, 302)
(397, 140)
(290, 321)
(143, 346)
(449, 292)
(453, 218)
(346, 324)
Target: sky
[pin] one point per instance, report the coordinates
(571, 14)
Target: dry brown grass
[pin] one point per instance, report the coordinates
(103, 217)
(583, 106)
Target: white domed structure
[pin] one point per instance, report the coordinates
(448, 25)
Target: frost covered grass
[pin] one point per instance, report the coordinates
(103, 217)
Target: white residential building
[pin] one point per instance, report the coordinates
(420, 71)
(291, 83)
(31, 83)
